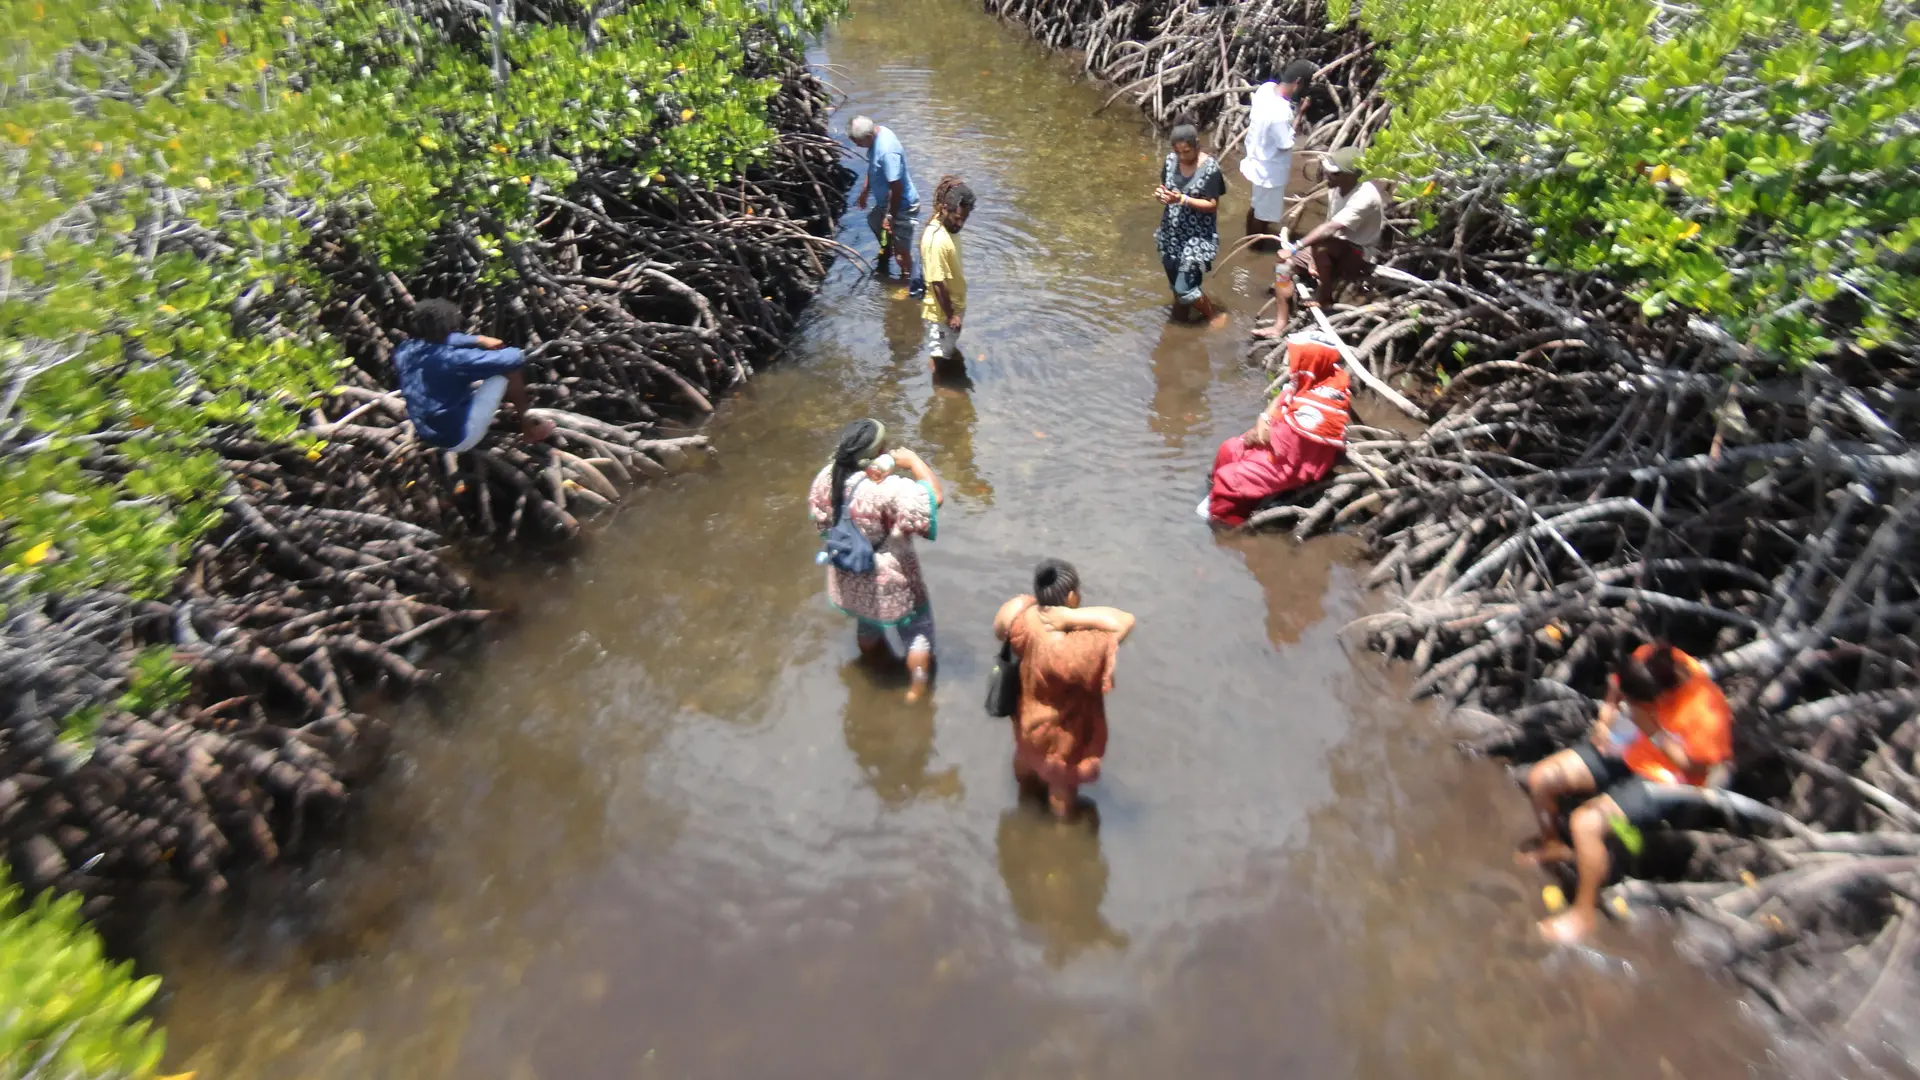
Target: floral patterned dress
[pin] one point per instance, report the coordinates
(1187, 239)
(889, 513)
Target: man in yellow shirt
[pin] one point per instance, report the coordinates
(946, 302)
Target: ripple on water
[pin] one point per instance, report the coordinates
(669, 827)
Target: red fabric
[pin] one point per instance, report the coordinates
(1244, 476)
(1307, 427)
(1315, 403)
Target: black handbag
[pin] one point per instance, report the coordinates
(1003, 682)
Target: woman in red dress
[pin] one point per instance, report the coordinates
(1294, 443)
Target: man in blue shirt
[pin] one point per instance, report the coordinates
(892, 216)
(454, 382)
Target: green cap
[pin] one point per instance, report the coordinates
(1344, 160)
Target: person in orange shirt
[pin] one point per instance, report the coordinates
(1676, 729)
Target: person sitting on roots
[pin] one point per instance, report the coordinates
(1188, 238)
(1343, 249)
(1296, 440)
(1066, 656)
(889, 511)
(896, 202)
(945, 305)
(1675, 728)
(453, 383)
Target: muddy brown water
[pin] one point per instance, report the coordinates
(668, 827)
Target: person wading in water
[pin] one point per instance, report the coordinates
(1066, 668)
(946, 303)
(895, 200)
(888, 510)
(1188, 238)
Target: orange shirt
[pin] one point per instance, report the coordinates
(1696, 714)
(1064, 679)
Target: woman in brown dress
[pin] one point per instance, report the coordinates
(1066, 668)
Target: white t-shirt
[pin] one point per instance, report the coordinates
(1363, 214)
(1269, 138)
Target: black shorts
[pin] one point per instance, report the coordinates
(1640, 803)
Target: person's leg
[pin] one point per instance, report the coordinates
(1061, 797)
(1186, 279)
(874, 217)
(1026, 767)
(1336, 265)
(918, 634)
(530, 429)
(903, 245)
(1302, 263)
(871, 639)
(1577, 771)
(944, 357)
(1589, 828)
(1172, 268)
(480, 412)
(1266, 208)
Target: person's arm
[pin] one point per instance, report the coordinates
(942, 300)
(922, 472)
(1202, 206)
(1208, 200)
(896, 191)
(1262, 433)
(1602, 735)
(1329, 229)
(865, 183)
(1009, 611)
(479, 361)
(1110, 619)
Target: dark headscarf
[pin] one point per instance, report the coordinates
(860, 443)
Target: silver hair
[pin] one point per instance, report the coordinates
(860, 128)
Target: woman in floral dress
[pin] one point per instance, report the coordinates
(1191, 184)
(889, 510)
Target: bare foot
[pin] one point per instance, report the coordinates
(537, 430)
(1219, 320)
(1555, 852)
(1268, 333)
(916, 690)
(1568, 927)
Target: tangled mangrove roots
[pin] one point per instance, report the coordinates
(1593, 477)
(638, 302)
(1187, 59)
(330, 575)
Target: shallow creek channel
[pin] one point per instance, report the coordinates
(667, 826)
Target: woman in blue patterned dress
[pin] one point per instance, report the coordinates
(1191, 184)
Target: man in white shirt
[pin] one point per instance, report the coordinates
(1344, 248)
(1269, 160)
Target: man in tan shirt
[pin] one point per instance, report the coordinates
(1343, 249)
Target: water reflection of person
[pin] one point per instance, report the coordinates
(1182, 371)
(946, 427)
(900, 321)
(892, 743)
(1056, 877)
(1293, 578)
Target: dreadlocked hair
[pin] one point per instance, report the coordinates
(952, 194)
(858, 443)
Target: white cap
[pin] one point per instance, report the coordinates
(860, 128)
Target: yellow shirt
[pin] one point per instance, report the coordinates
(940, 261)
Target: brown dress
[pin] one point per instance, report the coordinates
(1062, 716)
